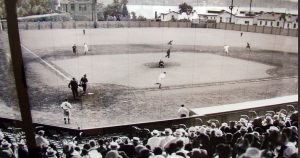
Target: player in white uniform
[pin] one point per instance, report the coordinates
(85, 48)
(66, 106)
(226, 49)
(160, 79)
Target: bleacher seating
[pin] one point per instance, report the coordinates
(274, 134)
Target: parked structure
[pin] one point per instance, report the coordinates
(81, 9)
(271, 20)
(291, 22)
(171, 16)
(224, 17)
(245, 19)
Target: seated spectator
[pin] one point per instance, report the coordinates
(6, 151)
(223, 151)
(40, 140)
(70, 152)
(155, 140)
(51, 153)
(93, 153)
(167, 138)
(199, 153)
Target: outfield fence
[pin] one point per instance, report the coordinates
(138, 24)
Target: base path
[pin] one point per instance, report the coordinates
(139, 71)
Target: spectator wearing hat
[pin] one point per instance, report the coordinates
(51, 153)
(41, 140)
(180, 145)
(155, 140)
(22, 150)
(252, 153)
(183, 111)
(167, 138)
(114, 149)
(93, 152)
(70, 152)
(199, 153)
(6, 151)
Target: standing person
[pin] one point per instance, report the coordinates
(83, 31)
(226, 49)
(74, 48)
(66, 106)
(74, 87)
(85, 48)
(242, 34)
(248, 46)
(83, 83)
(183, 111)
(168, 53)
(160, 78)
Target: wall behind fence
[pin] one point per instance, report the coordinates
(132, 24)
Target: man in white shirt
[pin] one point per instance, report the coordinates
(160, 79)
(40, 140)
(85, 48)
(154, 141)
(183, 111)
(93, 153)
(165, 140)
(66, 106)
(226, 49)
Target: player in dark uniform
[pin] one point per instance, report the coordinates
(83, 31)
(74, 48)
(168, 53)
(248, 46)
(83, 83)
(161, 64)
(74, 87)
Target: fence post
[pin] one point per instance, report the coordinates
(248, 28)
(263, 29)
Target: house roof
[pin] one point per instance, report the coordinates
(269, 16)
(244, 16)
(291, 18)
(170, 13)
(209, 14)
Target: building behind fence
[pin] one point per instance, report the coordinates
(137, 24)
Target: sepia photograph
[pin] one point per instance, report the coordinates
(148, 78)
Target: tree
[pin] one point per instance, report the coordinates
(125, 12)
(133, 16)
(184, 7)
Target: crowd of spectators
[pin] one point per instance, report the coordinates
(268, 136)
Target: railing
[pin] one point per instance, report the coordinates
(193, 120)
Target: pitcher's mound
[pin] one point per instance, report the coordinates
(167, 64)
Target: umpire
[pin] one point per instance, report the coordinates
(74, 87)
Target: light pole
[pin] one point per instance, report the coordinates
(231, 8)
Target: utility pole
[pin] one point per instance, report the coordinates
(231, 8)
(94, 13)
(250, 6)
